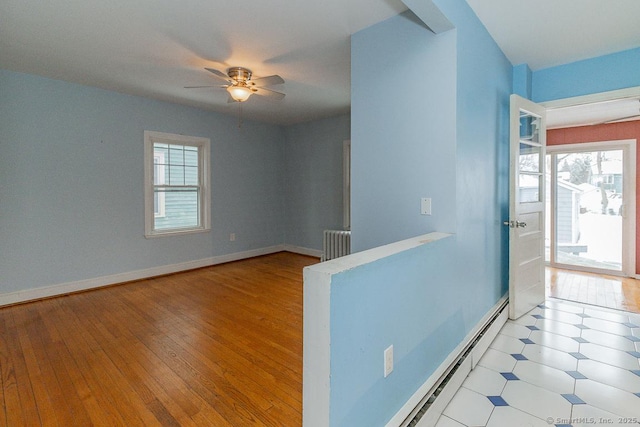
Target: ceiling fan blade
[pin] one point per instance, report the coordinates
(219, 74)
(267, 81)
(267, 93)
(198, 87)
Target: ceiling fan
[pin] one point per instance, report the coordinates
(241, 86)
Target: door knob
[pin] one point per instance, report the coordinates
(515, 224)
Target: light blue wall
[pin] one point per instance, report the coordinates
(403, 85)
(313, 165)
(484, 82)
(71, 183)
(397, 300)
(601, 74)
(446, 137)
(522, 80)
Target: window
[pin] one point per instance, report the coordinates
(177, 196)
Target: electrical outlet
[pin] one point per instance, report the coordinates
(388, 361)
(232, 237)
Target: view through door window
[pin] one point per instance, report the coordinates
(588, 208)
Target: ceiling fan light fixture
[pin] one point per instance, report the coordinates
(239, 93)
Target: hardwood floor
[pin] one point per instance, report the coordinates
(218, 346)
(619, 293)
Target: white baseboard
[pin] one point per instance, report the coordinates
(303, 251)
(424, 389)
(97, 282)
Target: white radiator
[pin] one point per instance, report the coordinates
(335, 243)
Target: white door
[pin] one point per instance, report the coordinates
(526, 206)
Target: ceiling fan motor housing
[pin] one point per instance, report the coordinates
(239, 74)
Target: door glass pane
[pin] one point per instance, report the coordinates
(529, 187)
(589, 209)
(529, 158)
(529, 127)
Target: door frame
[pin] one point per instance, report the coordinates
(592, 98)
(629, 196)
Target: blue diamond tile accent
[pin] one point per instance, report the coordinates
(578, 356)
(519, 356)
(584, 316)
(630, 325)
(636, 371)
(632, 338)
(497, 401)
(634, 354)
(526, 341)
(580, 340)
(637, 394)
(574, 400)
(577, 375)
(533, 328)
(509, 376)
(537, 316)
(542, 306)
(582, 327)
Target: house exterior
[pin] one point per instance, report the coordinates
(609, 176)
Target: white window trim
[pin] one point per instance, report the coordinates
(161, 199)
(204, 156)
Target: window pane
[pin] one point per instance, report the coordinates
(191, 175)
(180, 209)
(161, 151)
(176, 154)
(159, 170)
(176, 175)
(191, 156)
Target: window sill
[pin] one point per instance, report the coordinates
(175, 232)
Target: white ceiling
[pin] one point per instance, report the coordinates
(155, 48)
(546, 33)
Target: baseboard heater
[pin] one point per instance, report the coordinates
(335, 243)
(431, 406)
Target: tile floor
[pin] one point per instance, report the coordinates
(562, 364)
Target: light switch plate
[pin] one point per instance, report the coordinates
(425, 206)
(388, 361)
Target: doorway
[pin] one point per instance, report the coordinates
(590, 225)
(573, 124)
